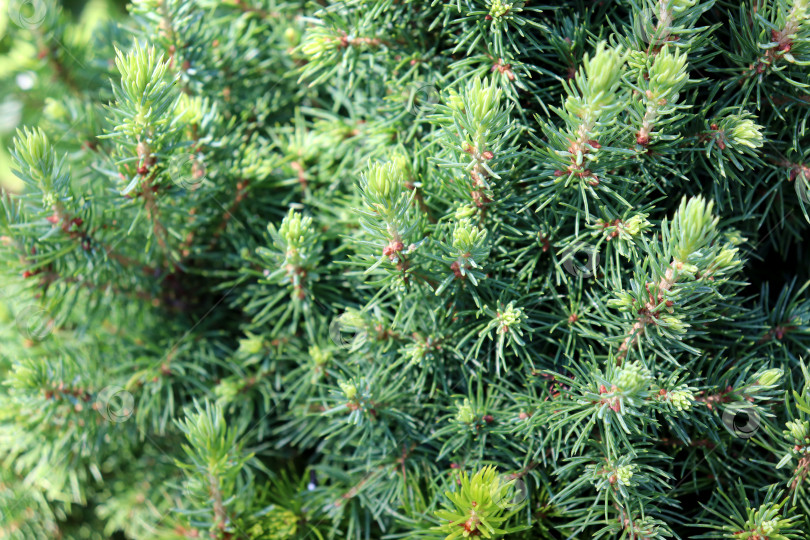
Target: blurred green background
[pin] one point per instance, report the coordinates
(20, 67)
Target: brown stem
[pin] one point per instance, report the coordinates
(648, 314)
(220, 514)
(260, 12)
(241, 190)
(153, 213)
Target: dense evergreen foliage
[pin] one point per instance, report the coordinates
(405, 269)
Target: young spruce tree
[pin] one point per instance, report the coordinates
(405, 269)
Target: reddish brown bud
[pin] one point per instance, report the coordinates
(392, 249)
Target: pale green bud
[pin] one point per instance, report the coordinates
(352, 319)
(624, 300)
(349, 390)
(734, 237)
(384, 181)
(679, 6)
(675, 324)
(292, 36)
(498, 9)
(319, 356)
(139, 67)
(511, 316)
(681, 399)
(726, 258)
(276, 523)
(228, 389)
(465, 211)
(799, 429)
(635, 224)
(455, 101)
(54, 109)
(604, 72)
(298, 239)
(251, 344)
(33, 147)
(295, 228)
(667, 74)
(417, 353)
(633, 377)
(624, 474)
(693, 226)
(465, 413)
(318, 42)
(49, 199)
(770, 377)
(466, 235)
(748, 133)
(741, 129)
(800, 10)
(481, 99)
(770, 526)
(192, 108)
